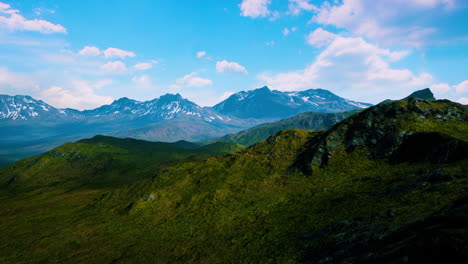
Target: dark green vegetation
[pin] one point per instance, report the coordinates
(347, 195)
(425, 94)
(309, 121)
(103, 162)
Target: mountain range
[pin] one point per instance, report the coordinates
(31, 126)
(166, 107)
(266, 103)
(261, 103)
(387, 184)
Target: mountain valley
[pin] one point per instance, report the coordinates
(30, 127)
(387, 184)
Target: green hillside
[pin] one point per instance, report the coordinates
(102, 161)
(309, 121)
(351, 194)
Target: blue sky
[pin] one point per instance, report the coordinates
(82, 54)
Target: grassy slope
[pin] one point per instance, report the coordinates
(309, 121)
(102, 162)
(247, 207)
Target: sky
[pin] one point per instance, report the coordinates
(83, 54)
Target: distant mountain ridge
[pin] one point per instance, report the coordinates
(261, 103)
(25, 107)
(266, 103)
(31, 126)
(166, 107)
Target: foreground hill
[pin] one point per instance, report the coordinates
(103, 161)
(386, 185)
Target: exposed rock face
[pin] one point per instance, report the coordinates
(383, 129)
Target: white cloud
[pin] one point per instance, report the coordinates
(108, 53)
(296, 6)
(338, 46)
(320, 38)
(143, 66)
(287, 31)
(13, 21)
(463, 100)
(274, 15)
(226, 66)
(118, 53)
(359, 17)
(462, 87)
(59, 97)
(352, 68)
(41, 10)
(255, 8)
(201, 54)
(100, 83)
(81, 95)
(225, 96)
(6, 9)
(15, 83)
(143, 80)
(270, 43)
(192, 80)
(90, 51)
(114, 67)
(440, 88)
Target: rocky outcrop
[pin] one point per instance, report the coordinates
(425, 94)
(384, 129)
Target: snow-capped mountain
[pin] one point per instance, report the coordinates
(261, 103)
(25, 121)
(22, 107)
(266, 103)
(166, 107)
(30, 127)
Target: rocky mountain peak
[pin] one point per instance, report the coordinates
(425, 94)
(169, 97)
(124, 100)
(384, 129)
(266, 103)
